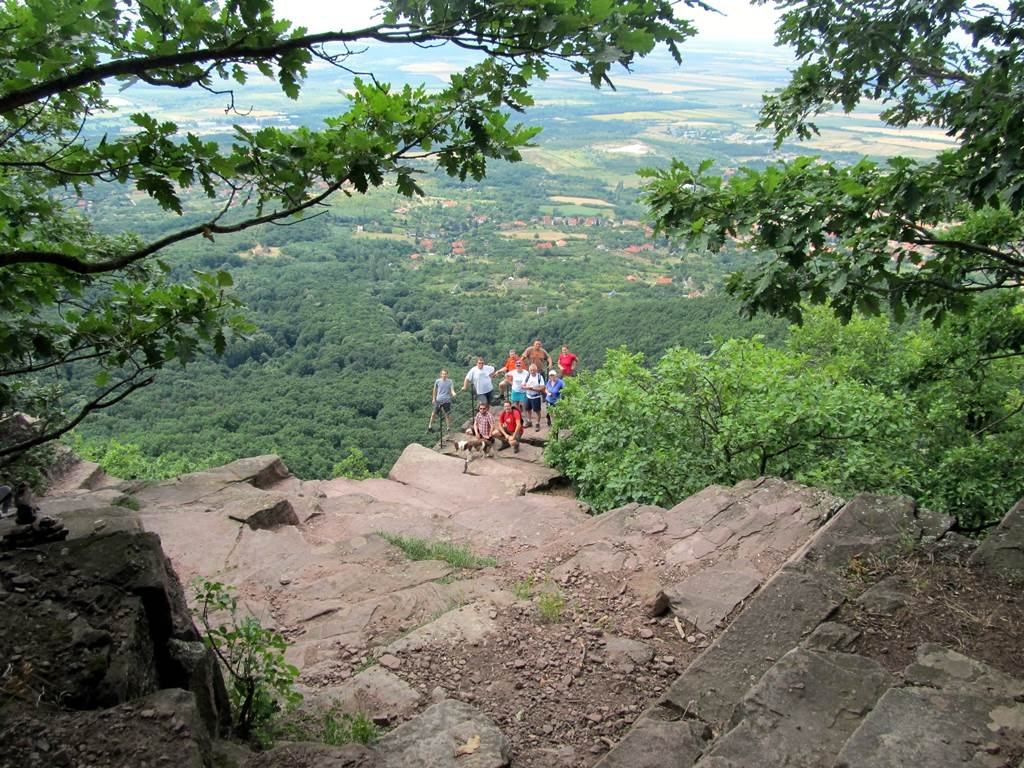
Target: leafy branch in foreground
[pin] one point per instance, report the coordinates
(73, 294)
(906, 234)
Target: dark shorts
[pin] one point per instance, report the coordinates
(533, 404)
(485, 397)
(444, 408)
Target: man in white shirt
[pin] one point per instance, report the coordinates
(480, 377)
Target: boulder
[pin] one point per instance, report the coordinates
(1003, 551)
(93, 618)
(449, 734)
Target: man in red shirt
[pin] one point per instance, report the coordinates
(567, 362)
(510, 426)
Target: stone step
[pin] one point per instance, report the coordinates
(701, 700)
(951, 711)
(800, 712)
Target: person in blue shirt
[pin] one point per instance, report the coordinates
(552, 391)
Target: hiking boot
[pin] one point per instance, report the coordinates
(430, 429)
(536, 427)
(515, 448)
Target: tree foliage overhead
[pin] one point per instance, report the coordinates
(903, 233)
(71, 293)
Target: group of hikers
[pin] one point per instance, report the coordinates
(525, 382)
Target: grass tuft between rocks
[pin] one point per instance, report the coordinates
(447, 551)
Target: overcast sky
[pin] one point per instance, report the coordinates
(742, 22)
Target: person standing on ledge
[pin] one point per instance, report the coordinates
(552, 392)
(567, 362)
(441, 399)
(535, 389)
(480, 377)
(535, 354)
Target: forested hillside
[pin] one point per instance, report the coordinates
(350, 331)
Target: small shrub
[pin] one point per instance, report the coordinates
(523, 588)
(128, 502)
(356, 728)
(354, 466)
(550, 605)
(259, 679)
(447, 551)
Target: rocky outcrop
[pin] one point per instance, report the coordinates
(711, 633)
(1003, 550)
(100, 623)
(779, 687)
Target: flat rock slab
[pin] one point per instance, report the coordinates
(937, 728)
(469, 624)
(254, 507)
(789, 606)
(533, 519)
(801, 712)
(707, 597)
(434, 739)
(602, 557)
(101, 521)
(445, 477)
(938, 667)
(1003, 551)
(624, 655)
(879, 525)
(58, 505)
(656, 743)
(376, 692)
(507, 466)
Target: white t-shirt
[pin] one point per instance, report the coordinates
(480, 378)
(534, 380)
(518, 377)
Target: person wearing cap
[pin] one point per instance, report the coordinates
(552, 391)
